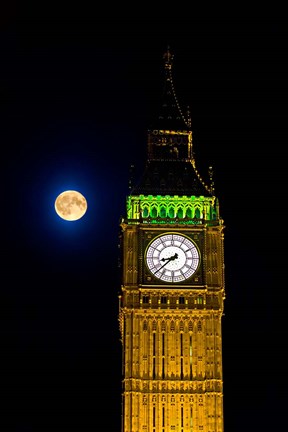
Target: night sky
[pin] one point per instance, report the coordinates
(77, 97)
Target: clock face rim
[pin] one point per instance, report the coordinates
(182, 258)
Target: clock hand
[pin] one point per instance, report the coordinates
(172, 258)
(165, 259)
(175, 256)
(168, 259)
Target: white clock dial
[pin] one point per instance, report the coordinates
(172, 257)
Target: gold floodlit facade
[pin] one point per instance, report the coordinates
(172, 293)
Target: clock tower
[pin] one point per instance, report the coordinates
(172, 293)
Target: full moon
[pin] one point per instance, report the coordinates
(71, 205)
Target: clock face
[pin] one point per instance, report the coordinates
(172, 257)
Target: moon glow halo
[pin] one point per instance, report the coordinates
(70, 205)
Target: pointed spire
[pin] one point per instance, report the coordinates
(168, 57)
(170, 166)
(171, 116)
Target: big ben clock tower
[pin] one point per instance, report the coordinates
(172, 293)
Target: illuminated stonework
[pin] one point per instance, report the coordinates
(181, 209)
(174, 372)
(171, 326)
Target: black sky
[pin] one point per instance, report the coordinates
(77, 96)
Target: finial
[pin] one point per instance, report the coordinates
(131, 179)
(188, 117)
(211, 178)
(168, 57)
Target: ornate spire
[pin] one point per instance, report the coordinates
(170, 167)
(168, 57)
(171, 115)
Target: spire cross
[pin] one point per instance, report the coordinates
(168, 57)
